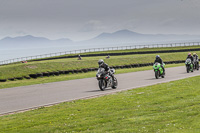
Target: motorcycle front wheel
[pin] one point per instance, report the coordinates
(188, 69)
(156, 74)
(102, 85)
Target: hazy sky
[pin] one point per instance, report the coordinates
(85, 19)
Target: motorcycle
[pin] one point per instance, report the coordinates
(158, 70)
(196, 64)
(105, 80)
(189, 65)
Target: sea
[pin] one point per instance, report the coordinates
(13, 53)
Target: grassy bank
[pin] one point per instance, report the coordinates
(25, 82)
(20, 70)
(168, 107)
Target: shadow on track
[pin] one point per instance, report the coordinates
(153, 79)
(98, 90)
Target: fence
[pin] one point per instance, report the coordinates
(98, 50)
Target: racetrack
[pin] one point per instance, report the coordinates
(29, 97)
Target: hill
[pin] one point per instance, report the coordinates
(102, 40)
(31, 41)
(127, 36)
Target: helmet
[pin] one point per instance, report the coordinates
(157, 56)
(189, 54)
(100, 62)
(194, 54)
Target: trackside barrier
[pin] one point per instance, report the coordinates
(98, 50)
(85, 70)
(119, 54)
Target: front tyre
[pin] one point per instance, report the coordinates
(102, 85)
(115, 83)
(156, 74)
(188, 69)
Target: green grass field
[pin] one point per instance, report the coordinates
(24, 69)
(169, 107)
(25, 82)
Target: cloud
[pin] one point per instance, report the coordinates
(92, 25)
(79, 19)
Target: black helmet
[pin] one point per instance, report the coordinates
(157, 56)
(100, 62)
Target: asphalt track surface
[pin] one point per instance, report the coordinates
(30, 97)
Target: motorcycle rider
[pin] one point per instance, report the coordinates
(159, 60)
(102, 64)
(196, 58)
(190, 57)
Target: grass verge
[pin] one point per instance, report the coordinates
(168, 107)
(25, 82)
(20, 70)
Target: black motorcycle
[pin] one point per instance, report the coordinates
(105, 80)
(196, 64)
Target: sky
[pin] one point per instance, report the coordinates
(84, 19)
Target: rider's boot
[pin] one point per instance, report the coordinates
(163, 70)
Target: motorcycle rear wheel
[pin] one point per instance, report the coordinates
(115, 83)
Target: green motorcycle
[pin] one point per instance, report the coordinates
(189, 65)
(158, 70)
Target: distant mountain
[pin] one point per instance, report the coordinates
(127, 36)
(31, 41)
(121, 34)
(24, 39)
(121, 37)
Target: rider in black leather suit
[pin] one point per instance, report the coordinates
(102, 64)
(159, 60)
